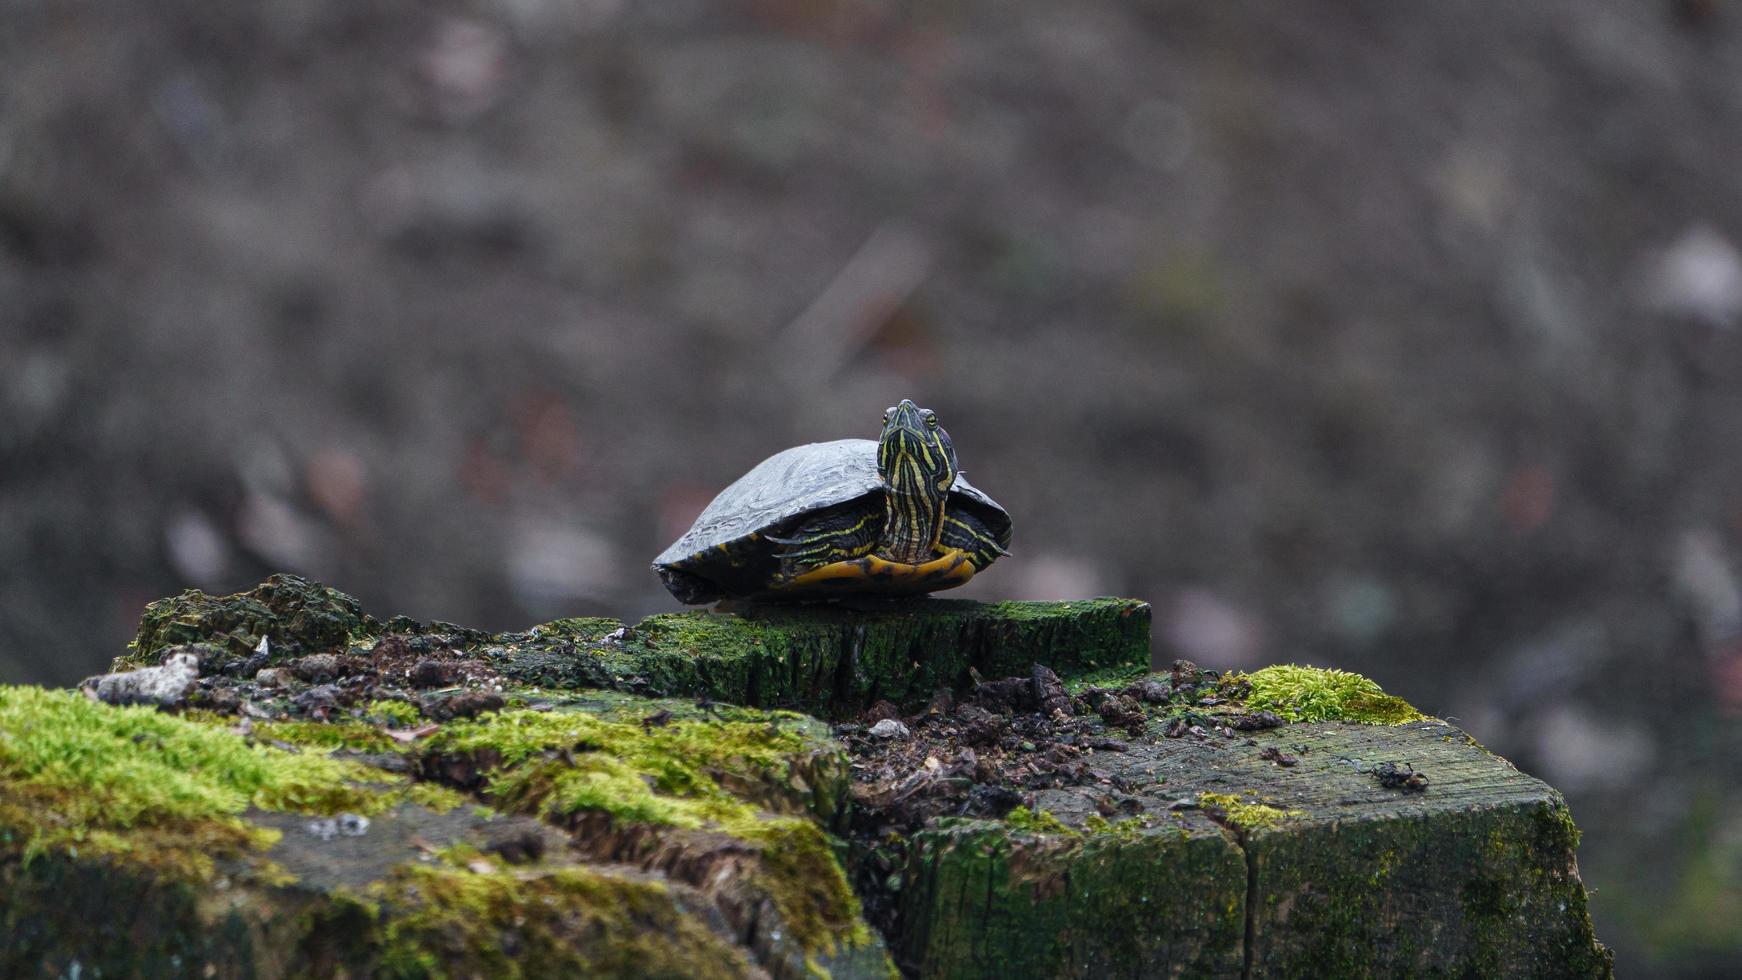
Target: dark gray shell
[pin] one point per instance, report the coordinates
(798, 481)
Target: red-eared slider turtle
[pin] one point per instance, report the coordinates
(891, 517)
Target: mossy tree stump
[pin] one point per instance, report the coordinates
(829, 660)
(1233, 865)
(836, 660)
(529, 803)
(607, 836)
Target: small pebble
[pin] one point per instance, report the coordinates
(164, 685)
(317, 701)
(430, 672)
(316, 668)
(346, 824)
(890, 728)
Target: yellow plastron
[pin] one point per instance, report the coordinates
(871, 575)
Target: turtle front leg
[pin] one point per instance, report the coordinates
(828, 537)
(689, 589)
(965, 531)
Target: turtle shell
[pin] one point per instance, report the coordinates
(727, 547)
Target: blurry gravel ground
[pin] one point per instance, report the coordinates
(1401, 338)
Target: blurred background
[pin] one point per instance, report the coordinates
(1398, 338)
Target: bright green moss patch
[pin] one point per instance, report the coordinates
(1127, 829)
(437, 797)
(1248, 816)
(618, 706)
(608, 785)
(130, 765)
(1036, 822)
(82, 774)
(400, 713)
(177, 799)
(570, 760)
(685, 775)
(1313, 694)
(575, 922)
(323, 736)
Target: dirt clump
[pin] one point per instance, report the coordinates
(988, 751)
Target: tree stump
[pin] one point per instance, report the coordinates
(1004, 792)
(1243, 867)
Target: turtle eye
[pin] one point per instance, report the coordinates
(931, 419)
(888, 414)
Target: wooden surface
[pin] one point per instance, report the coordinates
(831, 660)
(1474, 876)
(1277, 852)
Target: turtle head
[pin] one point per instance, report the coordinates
(914, 455)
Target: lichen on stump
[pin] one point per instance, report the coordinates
(1475, 875)
(990, 900)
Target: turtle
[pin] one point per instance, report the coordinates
(891, 516)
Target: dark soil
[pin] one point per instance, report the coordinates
(326, 686)
(987, 753)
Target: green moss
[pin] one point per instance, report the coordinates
(176, 800)
(1483, 891)
(1248, 816)
(297, 616)
(441, 922)
(660, 774)
(138, 784)
(1556, 830)
(801, 876)
(1041, 822)
(1312, 694)
(829, 660)
(438, 798)
(1128, 829)
(832, 661)
(603, 784)
(1013, 611)
(981, 899)
(575, 629)
(402, 714)
(465, 856)
(1113, 677)
(686, 775)
(632, 708)
(326, 736)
